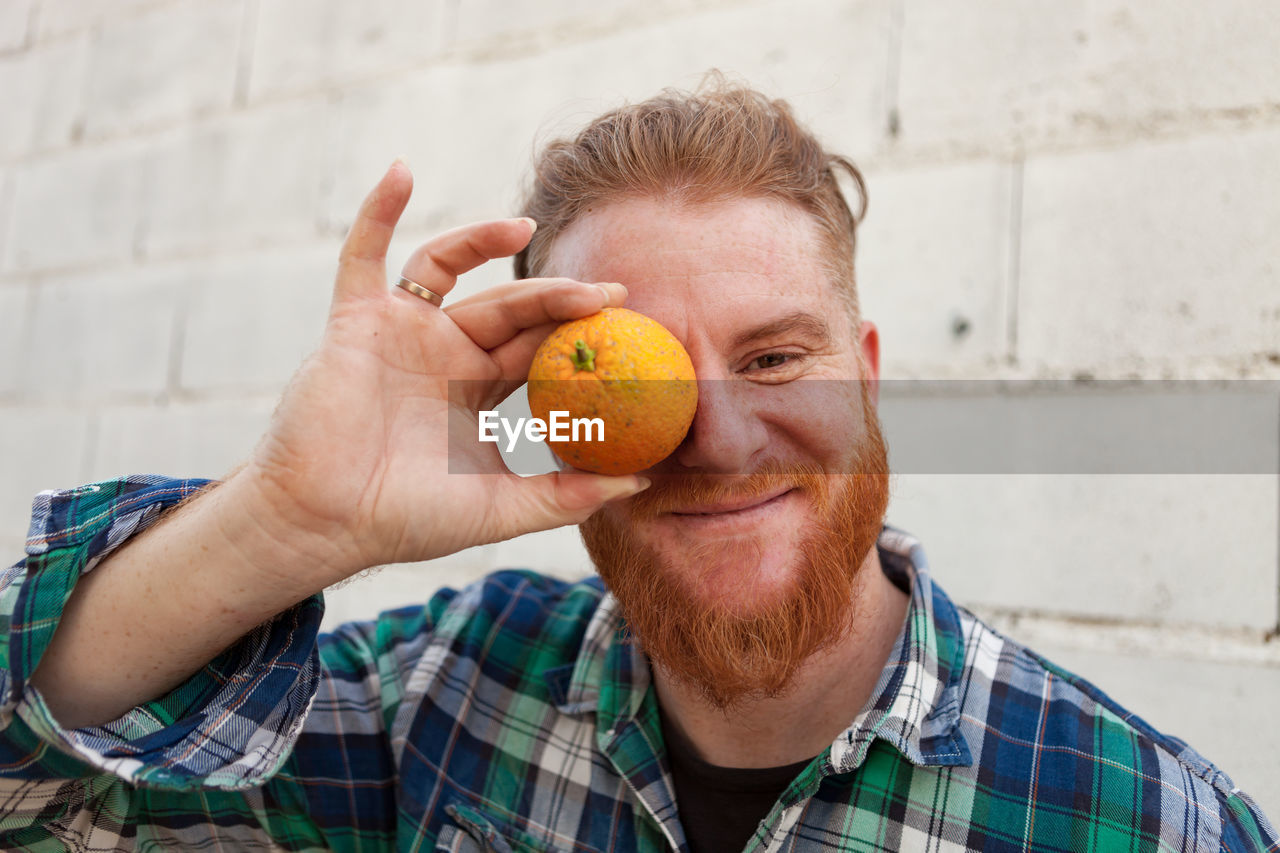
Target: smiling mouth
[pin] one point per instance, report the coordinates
(732, 508)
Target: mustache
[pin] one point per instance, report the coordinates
(670, 492)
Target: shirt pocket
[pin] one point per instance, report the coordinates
(472, 832)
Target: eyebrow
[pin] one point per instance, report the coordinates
(808, 325)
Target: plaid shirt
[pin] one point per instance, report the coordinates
(513, 716)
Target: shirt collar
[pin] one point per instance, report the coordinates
(608, 666)
(915, 706)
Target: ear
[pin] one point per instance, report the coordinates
(869, 352)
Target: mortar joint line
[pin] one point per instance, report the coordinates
(1014, 263)
(893, 66)
(245, 55)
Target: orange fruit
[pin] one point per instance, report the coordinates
(624, 369)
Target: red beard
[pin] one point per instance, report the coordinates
(726, 652)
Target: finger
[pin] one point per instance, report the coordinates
(494, 316)
(514, 357)
(362, 261)
(437, 263)
(569, 497)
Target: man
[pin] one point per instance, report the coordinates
(770, 670)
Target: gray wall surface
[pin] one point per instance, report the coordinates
(1058, 191)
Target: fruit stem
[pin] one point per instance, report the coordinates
(583, 358)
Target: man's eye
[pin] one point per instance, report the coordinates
(771, 360)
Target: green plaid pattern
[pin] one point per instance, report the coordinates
(513, 716)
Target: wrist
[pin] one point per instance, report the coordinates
(286, 554)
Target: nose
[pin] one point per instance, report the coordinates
(727, 431)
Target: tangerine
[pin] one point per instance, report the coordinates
(625, 369)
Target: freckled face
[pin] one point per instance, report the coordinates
(741, 284)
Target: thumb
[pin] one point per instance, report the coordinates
(569, 497)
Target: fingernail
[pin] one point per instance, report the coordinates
(641, 483)
(402, 160)
(619, 488)
(613, 291)
(533, 226)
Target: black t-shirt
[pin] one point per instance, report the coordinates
(720, 807)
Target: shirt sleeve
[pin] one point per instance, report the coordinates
(1245, 827)
(224, 756)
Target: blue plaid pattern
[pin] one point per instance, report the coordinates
(513, 715)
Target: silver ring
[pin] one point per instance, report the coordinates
(418, 290)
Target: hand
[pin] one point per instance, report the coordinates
(354, 468)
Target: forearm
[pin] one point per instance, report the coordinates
(171, 600)
(355, 470)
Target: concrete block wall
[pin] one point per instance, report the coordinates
(1058, 191)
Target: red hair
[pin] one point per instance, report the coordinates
(716, 143)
